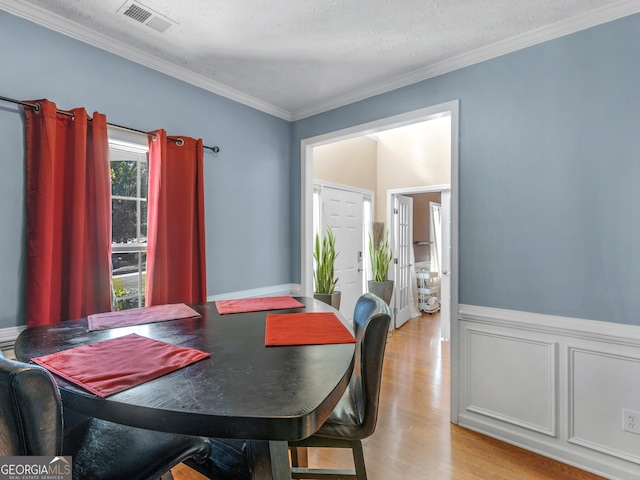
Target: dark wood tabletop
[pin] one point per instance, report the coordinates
(244, 390)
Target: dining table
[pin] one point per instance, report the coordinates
(265, 395)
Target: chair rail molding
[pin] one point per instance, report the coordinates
(554, 385)
(575, 327)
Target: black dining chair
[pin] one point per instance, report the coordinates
(31, 423)
(356, 414)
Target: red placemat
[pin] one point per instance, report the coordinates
(114, 365)
(137, 316)
(309, 328)
(242, 305)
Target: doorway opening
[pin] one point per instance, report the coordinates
(430, 247)
(448, 109)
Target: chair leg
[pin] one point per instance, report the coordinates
(358, 460)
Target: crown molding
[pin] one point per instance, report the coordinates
(589, 19)
(62, 25)
(66, 27)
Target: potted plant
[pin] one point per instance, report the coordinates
(324, 254)
(381, 256)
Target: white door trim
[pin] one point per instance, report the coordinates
(348, 188)
(451, 108)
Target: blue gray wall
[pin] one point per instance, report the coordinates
(549, 166)
(549, 173)
(246, 185)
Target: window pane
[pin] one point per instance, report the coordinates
(144, 178)
(143, 221)
(143, 272)
(123, 226)
(124, 263)
(144, 185)
(129, 279)
(127, 303)
(124, 178)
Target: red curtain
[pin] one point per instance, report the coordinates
(68, 215)
(176, 264)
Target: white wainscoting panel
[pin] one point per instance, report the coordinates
(601, 386)
(553, 385)
(512, 379)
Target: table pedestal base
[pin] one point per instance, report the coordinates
(246, 460)
(269, 460)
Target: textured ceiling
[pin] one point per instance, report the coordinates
(297, 57)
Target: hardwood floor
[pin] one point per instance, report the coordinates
(414, 439)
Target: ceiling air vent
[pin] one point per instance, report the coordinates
(146, 16)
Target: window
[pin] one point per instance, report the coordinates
(367, 219)
(129, 180)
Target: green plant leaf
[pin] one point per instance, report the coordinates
(380, 258)
(324, 254)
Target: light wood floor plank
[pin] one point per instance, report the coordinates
(414, 439)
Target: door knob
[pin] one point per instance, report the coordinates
(445, 271)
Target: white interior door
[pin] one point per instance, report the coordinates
(342, 210)
(402, 245)
(445, 267)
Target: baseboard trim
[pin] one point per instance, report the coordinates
(584, 460)
(274, 290)
(8, 336)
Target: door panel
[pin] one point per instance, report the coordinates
(445, 258)
(342, 211)
(402, 233)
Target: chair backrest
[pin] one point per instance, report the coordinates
(30, 411)
(371, 320)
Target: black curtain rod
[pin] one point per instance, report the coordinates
(36, 107)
